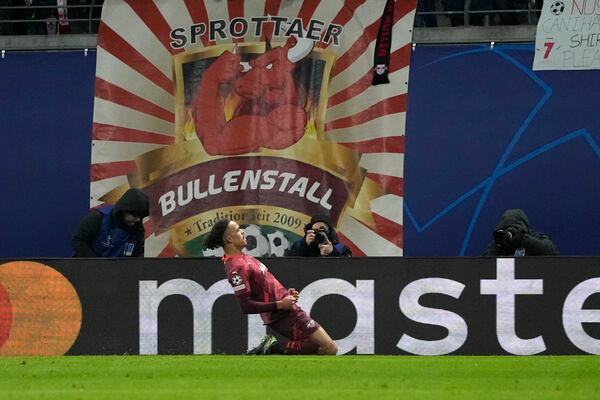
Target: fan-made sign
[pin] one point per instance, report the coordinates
(568, 35)
(262, 111)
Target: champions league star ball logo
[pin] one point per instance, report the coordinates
(557, 7)
(236, 280)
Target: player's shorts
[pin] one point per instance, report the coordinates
(296, 325)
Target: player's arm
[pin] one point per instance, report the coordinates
(239, 280)
(250, 306)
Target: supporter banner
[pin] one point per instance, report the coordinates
(373, 305)
(568, 35)
(262, 111)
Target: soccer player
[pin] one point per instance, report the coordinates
(258, 291)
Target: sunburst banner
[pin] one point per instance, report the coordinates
(262, 111)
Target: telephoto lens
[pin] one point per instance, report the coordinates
(502, 237)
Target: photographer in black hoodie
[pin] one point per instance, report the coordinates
(320, 240)
(113, 231)
(514, 237)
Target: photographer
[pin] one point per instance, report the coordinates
(514, 237)
(113, 231)
(320, 240)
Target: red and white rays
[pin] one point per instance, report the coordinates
(134, 104)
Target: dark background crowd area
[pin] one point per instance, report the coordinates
(441, 13)
(48, 17)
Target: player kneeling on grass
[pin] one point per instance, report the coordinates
(258, 291)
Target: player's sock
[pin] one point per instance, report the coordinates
(301, 347)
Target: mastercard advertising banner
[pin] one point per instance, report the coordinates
(263, 111)
(373, 305)
(40, 311)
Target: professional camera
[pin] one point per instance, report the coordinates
(320, 237)
(504, 237)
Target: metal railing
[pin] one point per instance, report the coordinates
(15, 19)
(528, 14)
(30, 19)
(84, 19)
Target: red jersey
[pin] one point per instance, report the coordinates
(251, 279)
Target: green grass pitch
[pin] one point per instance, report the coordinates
(298, 377)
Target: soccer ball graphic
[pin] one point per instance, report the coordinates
(557, 7)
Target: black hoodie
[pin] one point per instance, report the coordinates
(534, 243)
(301, 249)
(133, 201)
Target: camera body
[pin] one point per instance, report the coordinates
(505, 237)
(320, 237)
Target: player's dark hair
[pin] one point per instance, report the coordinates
(215, 237)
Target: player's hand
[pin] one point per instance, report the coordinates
(286, 303)
(294, 293)
(326, 248)
(310, 236)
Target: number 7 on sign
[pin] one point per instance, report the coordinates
(549, 46)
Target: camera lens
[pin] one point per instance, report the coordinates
(502, 237)
(320, 237)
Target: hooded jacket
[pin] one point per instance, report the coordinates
(534, 243)
(103, 232)
(301, 249)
